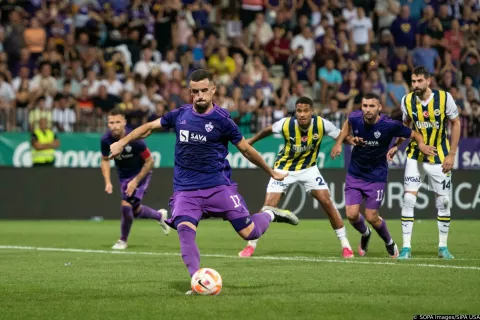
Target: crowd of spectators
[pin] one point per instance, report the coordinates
(70, 62)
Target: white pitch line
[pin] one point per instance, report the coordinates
(269, 258)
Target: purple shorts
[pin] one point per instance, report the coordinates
(357, 189)
(139, 193)
(220, 202)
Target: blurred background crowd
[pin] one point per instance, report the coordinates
(70, 62)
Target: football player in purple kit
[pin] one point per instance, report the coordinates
(134, 169)
(367, 173)
(202, 175)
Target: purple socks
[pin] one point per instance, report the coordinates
(383, 232)
(126, 222)
(148, 213)
(188, 248)
(359, 224)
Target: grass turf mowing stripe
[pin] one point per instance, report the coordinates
(269, 258)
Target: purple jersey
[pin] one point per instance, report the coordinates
(131, 160)
(369, 162)
(201, 147)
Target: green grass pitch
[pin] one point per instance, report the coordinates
(297, 273)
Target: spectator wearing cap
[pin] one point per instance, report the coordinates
(404, 28)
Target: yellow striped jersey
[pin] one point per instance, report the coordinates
(301, 146)
(430, 119)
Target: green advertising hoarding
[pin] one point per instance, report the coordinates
(82, 150)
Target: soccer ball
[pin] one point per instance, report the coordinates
(206, 282)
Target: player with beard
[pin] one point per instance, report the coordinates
(134, 169)
(430, 112)
(368, 169)
(202, 181)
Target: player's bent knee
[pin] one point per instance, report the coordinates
(185, 221)
(125, 203)
(372, 216)
(353, 213)
(409, 200)
(443, 205)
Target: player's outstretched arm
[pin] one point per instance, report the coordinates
(105, 166)
(141, 132)
(265, 132)
(133, 184)
(254, 157)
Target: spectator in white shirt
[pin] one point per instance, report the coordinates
(305, 40)
(91, 82)
(150, 98)
(64, 118)
(361, 30)
(114, 86)
(144, 66)
(169, 64)
(7, 103)
(259, 31)
(350, 12)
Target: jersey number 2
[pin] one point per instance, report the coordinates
(320, 181)
(236, 200)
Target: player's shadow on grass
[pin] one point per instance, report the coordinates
(182, 286)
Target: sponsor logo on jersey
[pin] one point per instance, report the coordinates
(371, 143)
(304, 139)
(280, 183)
(412, 179)
(316, 136)
(297, 148)
(427, 125)
(184, 134)
(425, 114)
(436, 112)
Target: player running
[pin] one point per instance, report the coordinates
(134, 168)
(368, 169)
(430, 111)
(303, 135)
(202, 175)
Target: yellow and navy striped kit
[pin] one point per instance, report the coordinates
(301, 147)
(431, 122)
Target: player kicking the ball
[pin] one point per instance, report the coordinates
(430, 111)
(134, 168)
(368, 169)
(303, 135)
(202, 175)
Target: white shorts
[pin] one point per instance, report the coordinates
(310, 178)
(438, 182)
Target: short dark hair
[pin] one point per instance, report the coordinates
(201, 74)
(421, 70)
(371, 95)
(116, 112)
(304, 100)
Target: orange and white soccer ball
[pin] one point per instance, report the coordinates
(206, 282)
